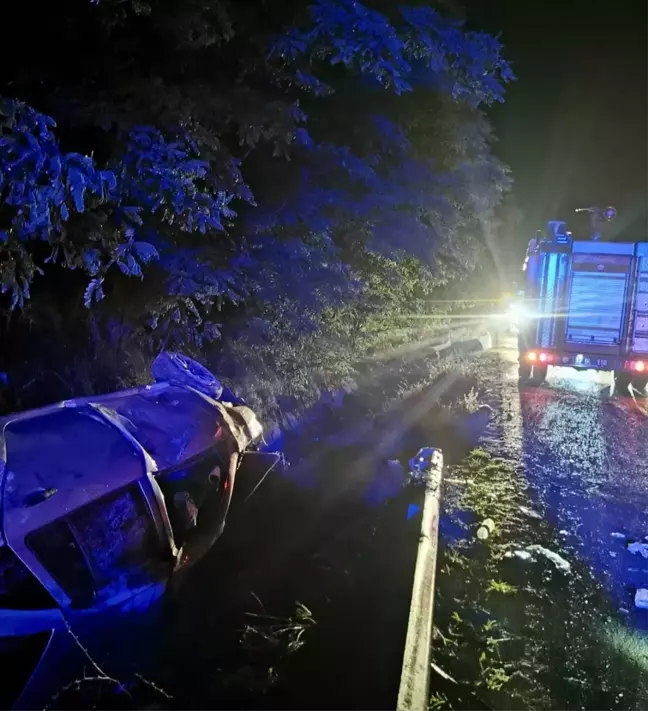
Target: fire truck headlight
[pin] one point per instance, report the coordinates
(518, 312)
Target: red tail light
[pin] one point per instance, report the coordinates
(639, 365)
(543, 357)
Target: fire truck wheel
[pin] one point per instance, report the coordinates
(639, 383)
(622, 382)
(524, 372)
(539, 374)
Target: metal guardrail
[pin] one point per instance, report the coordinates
(413, 693)
(415, 674)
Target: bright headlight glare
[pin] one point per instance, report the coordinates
(518, 311)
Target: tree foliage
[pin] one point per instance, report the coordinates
(287, 183)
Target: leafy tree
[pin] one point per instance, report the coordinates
(287, 183)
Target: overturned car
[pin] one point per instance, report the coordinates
(105, 500)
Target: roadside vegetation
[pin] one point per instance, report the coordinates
(515, 628)
(266, 642)
(288, 191)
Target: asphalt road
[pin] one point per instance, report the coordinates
(585, 457)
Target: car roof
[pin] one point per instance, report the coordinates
(87, 447)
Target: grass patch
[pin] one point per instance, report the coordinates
(266, 641)
(501, 587)
(266, 634)
(471, 401)
(630, 644)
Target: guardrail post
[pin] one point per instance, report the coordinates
(415, 675)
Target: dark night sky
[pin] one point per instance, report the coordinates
(574, 127)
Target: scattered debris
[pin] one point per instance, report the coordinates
(641, 599)
(612, 554)
(486, 527)
(529, 512)
(556, 559)
(421, 466)
(267, 633)
(527, 554)
(563, 533)
(641, 548)
(616, 534)
(441, 673)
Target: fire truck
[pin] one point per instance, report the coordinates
(585, 305)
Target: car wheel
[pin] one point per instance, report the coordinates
(622, 381)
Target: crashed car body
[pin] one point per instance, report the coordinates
(105, 500)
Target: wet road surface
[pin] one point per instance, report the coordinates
(541, 614)
(585, 458)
